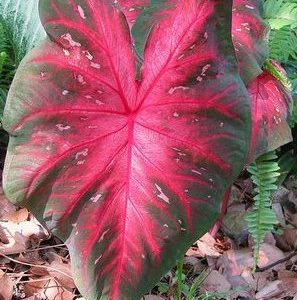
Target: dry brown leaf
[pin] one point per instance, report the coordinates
(47, 289)
(153, 297)
(6, 207)
(65, 281)
(194, 264)
(58, 263)
(256, 281)
(206, 245)
(269, 254)
(39, 271)
(6, 287)
(288, 240)
(289, 285)
(233, 262)
(19, 216)
(193, 251)
(215, 282)
(279, 214)
(18, 236)
(272, 289)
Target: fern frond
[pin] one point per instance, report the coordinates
(281, 13)
(261, 220)
(7, 65)
(282, 44)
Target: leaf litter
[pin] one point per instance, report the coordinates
(36, 266)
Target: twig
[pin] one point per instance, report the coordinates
(36, 280)
(44, 248)
(33, 265)
(280, 261)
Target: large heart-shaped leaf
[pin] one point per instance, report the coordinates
(271, 105)
(250, 37)
(21, 21)
(128, 173)
(249, 31)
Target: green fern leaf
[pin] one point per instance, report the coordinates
(280, 13)
(261, 220)
(282, 44)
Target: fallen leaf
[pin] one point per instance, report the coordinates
(193, 264)
(153, 297)
(279, 214)
(215, 282)
(47, 289)
(272, 289)
(193, 251)
(288, 240)
(6, 287)
(233, 262)
(206, 245)
(269, 254)
(6, 207)
(18, 236)
(257, 281)
(64, 280)
(19, 216)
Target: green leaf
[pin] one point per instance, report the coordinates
(262, 218)
(280, 13)
(282, 44)
(21, 20)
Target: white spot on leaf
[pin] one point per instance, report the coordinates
(81, 12)
(98, 259)
(103, 235)
(66, 52)
(68, 38)
(88, 55)
(95, 65)
(173, 89)
(81, 79)
(96, 198)
(63, 127)
(83, 153)
(161, 195)
(196, 172)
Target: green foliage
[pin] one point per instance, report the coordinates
(282, 18)
(21, 21)
(7, 70)
(261, 220)
(282, 44)
(281, 13)
(291, 68)
(7, 65)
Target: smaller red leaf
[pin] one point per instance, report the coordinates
(271, 106)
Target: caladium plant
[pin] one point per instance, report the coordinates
(271, 109)
(125, 154)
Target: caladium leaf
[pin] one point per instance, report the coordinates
(21, 20)
(271, 109)
(249, 31)
(250, 37)
(128, 173)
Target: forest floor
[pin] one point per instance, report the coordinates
(35, 265)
